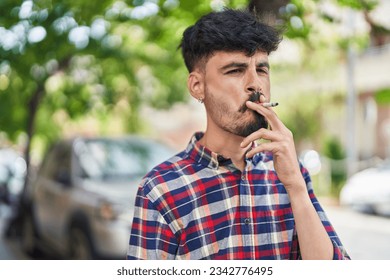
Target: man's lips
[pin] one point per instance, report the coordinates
(254, 97)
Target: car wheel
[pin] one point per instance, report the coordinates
(28, 236)
(80, 246)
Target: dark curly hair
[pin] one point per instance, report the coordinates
(227, 30)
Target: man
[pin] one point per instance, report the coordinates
(225, 196)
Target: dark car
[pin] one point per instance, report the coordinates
(81, 201)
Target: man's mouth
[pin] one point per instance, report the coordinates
(254, 97)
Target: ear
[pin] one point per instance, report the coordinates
(195, 84)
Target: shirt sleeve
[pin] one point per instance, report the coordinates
(339, 252)
(151, 237)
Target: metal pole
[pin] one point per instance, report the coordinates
(351, 102)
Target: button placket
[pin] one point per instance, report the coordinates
(246, 208)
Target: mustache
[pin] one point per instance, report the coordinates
(255, 96)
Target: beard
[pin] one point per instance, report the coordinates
(241, 122)
(251, 126)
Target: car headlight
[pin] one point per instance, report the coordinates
(106, 211)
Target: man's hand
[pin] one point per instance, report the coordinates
(314, 241)
(281, 144)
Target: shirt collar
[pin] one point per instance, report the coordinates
(206, 157)
(200, 153)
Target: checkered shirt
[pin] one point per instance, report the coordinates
(198, 205)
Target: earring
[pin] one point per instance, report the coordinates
(200, 100)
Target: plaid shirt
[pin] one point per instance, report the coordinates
(198, 205)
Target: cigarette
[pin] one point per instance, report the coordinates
(270, 104)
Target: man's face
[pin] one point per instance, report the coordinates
(231, 78)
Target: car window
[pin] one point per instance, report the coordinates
(58, 163)
(105, 159)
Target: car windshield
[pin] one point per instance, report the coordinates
(107, 159)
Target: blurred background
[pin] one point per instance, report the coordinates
(87, 88)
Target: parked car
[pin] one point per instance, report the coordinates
(369, 190)
(81, 201)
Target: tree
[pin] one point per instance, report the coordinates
(62, 60)
(80, 57)
(44, 41)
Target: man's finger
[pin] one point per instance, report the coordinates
(263, 147)
(268, 113)
(262, 133)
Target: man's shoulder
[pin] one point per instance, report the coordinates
(168, 172)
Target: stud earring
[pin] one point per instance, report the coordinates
(200, 100)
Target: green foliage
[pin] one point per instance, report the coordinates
(334, 151)
(304, 120)
(359, 4)
(42, 49)
(104, 59)
(76, 59)
(296, 25)
(382, 96)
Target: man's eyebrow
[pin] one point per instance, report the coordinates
(234, 64)
(244, 65)
(263, 64)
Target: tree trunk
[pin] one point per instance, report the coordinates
(15, 225)
(32, 112)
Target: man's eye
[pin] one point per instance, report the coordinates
(262, 70)
(234, 71)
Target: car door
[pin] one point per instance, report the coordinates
(52, 194)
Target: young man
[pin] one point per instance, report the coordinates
(225, 196)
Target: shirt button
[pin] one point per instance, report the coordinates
(247, 221)
(242, 177)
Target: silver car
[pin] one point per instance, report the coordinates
(81, 201)
(369, 190)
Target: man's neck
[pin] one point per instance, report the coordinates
(226, 144)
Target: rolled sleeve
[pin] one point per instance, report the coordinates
(339, 252)
(151, 237)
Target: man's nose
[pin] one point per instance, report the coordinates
(253, 83)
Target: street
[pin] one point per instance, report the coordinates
(366, 237)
